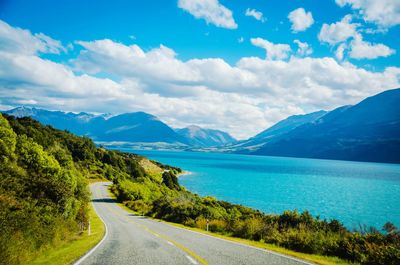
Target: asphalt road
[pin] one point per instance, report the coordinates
(132, 239)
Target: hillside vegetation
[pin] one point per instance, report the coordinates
(44, 199)
(44, 193)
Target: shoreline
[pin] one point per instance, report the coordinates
(184, 173)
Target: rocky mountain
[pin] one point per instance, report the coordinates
(199, 137)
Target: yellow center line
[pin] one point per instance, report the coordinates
(185, 249)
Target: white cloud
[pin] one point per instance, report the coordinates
(344, 30)
(304, 48)
(258, 15)
(23, 41)
(385, 13)
(338, 32)
(361, 49)
(211, 11)
(273, 51)
(301, 20)
(252, 94)
(158, 64)
(340, 51)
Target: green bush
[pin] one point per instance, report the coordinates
(43, 197)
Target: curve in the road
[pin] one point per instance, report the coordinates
(169, 241)
(133, 239)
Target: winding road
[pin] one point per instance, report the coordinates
(133, 239)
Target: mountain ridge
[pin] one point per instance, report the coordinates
(126, 128)
(202, 137)
(367, 131)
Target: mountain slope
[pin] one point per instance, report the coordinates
(276, 130)
(76, 123)
(134, 127)
(368, 131)
(128, 127)
(197, 136)
(289, 124)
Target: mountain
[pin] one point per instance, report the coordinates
(129, 127)
(133, 127)
(288, 124)
(276, 130)
(138, 128)
(197, 136)
(76, 123)
(367, 131)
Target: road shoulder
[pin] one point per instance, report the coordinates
(71, 251)
(317, 259)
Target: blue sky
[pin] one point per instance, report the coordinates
(219, 64)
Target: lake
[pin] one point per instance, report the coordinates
(352, 192)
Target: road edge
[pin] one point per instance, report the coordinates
(123, 207)
(93, 249)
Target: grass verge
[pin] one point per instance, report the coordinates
(317, 259)
(72, 250)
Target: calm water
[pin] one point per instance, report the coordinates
(353, 192)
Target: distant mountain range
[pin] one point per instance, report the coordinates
(367, 131)
(197, 136)
(127, 128)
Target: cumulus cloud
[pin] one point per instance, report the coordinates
(258, 15)
(109, 56)
(273, 51)
(301, 20)
(211, 11)
(303, 49)
(159, 69)
(338, 32)
(342, 31)
(253, 93)
(385, 13)
(361, 49)
(14, 39)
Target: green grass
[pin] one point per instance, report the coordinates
(318, 259)
(72, 250)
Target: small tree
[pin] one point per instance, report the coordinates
(389, 227)
(170, 180)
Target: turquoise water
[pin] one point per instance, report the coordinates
(352, 192)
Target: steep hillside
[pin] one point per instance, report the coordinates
(276, 130)
(368, 131)
(43, 184)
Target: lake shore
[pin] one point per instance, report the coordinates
(184, 173)
(276, 184)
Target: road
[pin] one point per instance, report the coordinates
(133, 239)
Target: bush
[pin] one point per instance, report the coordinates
(43, 197)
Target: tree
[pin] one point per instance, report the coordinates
(8, 140)
(170, 180)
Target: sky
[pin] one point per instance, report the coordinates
(238, 66)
